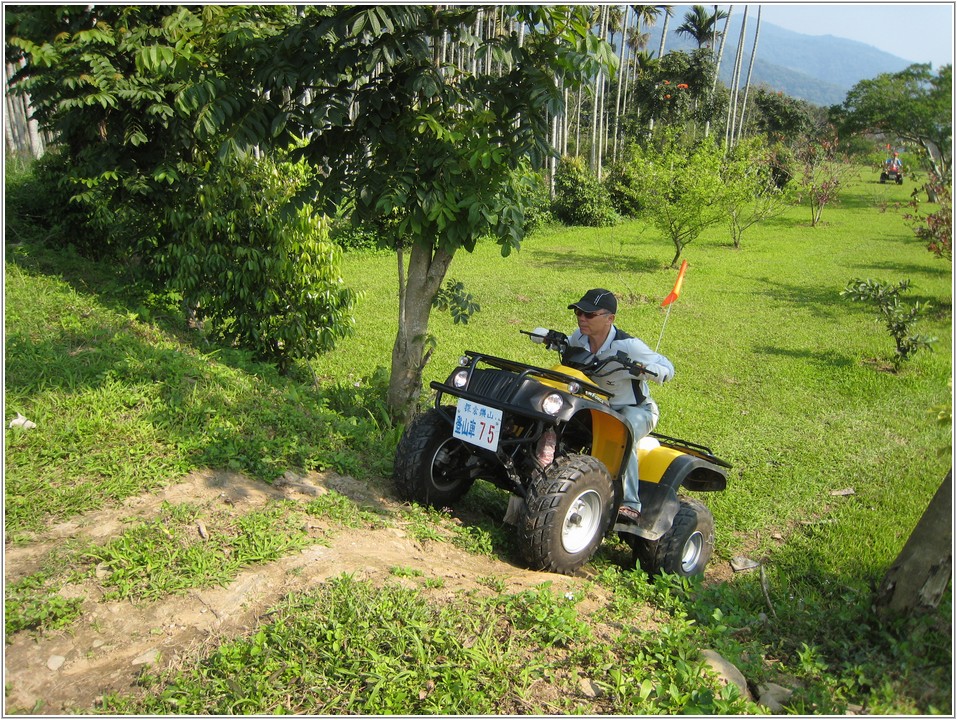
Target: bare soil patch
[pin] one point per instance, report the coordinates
(108, 646)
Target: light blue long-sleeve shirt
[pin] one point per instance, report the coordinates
(625, 388)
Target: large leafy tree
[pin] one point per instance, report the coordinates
(915, 105)
(416, 125)
(677, 89)
(781, 117)
(422, 144)
(131, 94)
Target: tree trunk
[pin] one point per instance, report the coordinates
(717, 67)
(747, 83)
(566, 121)
(919, 576)
(597, 107)
(664, 36)
(661, 52)
(735, 81)
(621, 76)
(578, 122)
(417, 290)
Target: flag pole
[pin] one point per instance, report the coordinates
(663, 325)
(668, 301)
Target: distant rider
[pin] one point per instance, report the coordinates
(894, 164)
(597, 334)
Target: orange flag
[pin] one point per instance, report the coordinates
(676, 290)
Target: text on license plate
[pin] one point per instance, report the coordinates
(477, 424)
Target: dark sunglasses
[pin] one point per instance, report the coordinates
(589, 316)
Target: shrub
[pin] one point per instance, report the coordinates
(898, 319)
(350, 237)
(781, 162)
(39, 207)
(580, 199)
(936, 228)
(256, 264)
(623, 187)
(537, 202)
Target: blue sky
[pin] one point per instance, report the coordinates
(919, 32)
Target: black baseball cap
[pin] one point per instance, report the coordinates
(597, 299)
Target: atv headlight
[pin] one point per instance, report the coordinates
(464, 360)
(574, 388)
(552, 403)
(460, 379)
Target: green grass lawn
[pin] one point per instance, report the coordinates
(775, 372)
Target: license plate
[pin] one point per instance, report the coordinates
(477, 424)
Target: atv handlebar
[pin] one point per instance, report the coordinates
(555, 340)
(635, 368)
(552, 339)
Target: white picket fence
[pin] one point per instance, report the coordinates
(23, 135)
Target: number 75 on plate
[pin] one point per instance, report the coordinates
(477, 424)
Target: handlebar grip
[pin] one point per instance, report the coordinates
(635, 368)
(552, 339)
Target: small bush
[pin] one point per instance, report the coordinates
(579, 198)
(351, 238)
(39, 207)
(538, 203)
(898, 319)
(936, 228)
(782, 165)
(257, 265)
(623, 189)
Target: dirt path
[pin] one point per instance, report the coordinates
(106, 649)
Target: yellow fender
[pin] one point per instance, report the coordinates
(671, 466)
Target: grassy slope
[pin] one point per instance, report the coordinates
(775, 371)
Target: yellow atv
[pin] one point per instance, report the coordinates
(550, 438)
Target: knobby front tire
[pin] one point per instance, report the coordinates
(567, 513)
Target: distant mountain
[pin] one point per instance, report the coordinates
(819, 69)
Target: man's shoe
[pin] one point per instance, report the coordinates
(629, 514)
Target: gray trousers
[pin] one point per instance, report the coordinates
(642, 419)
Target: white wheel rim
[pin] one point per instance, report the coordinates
(581, 522)
(691, 552)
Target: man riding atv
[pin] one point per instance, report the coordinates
(572, 446)
(598, 334)
(893, 169)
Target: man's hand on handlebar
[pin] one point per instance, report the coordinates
(552, 339)
(636, 368)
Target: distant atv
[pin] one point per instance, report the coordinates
(549, 437)
(891, 173)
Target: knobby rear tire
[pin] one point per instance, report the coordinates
(685, 549)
